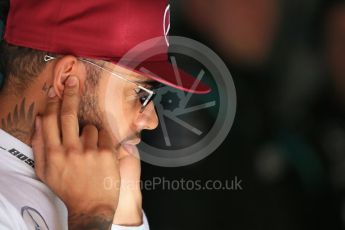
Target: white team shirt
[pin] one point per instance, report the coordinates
(25, 202)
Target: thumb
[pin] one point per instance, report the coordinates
(129, 163)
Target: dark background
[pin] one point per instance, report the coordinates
(287, 143)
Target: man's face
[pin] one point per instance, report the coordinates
(113, 104)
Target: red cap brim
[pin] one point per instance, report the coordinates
(167, 74)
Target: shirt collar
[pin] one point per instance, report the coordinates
(16, 148)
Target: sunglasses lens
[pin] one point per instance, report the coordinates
(147, 101)
(152, 98)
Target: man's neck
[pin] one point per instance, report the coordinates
(17, 116)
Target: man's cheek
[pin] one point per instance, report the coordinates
(112, 123)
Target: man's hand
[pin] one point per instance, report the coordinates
(75, 167)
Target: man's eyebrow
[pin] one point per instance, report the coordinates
(153, 84)
(149, 82)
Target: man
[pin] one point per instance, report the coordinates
(66, 96)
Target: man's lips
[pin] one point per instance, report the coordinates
(130, 148)
(130, 144)
(134, 141)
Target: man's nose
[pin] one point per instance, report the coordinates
(148, 119)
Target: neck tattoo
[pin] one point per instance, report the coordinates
(20, 122)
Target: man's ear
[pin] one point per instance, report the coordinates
(65, 67)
